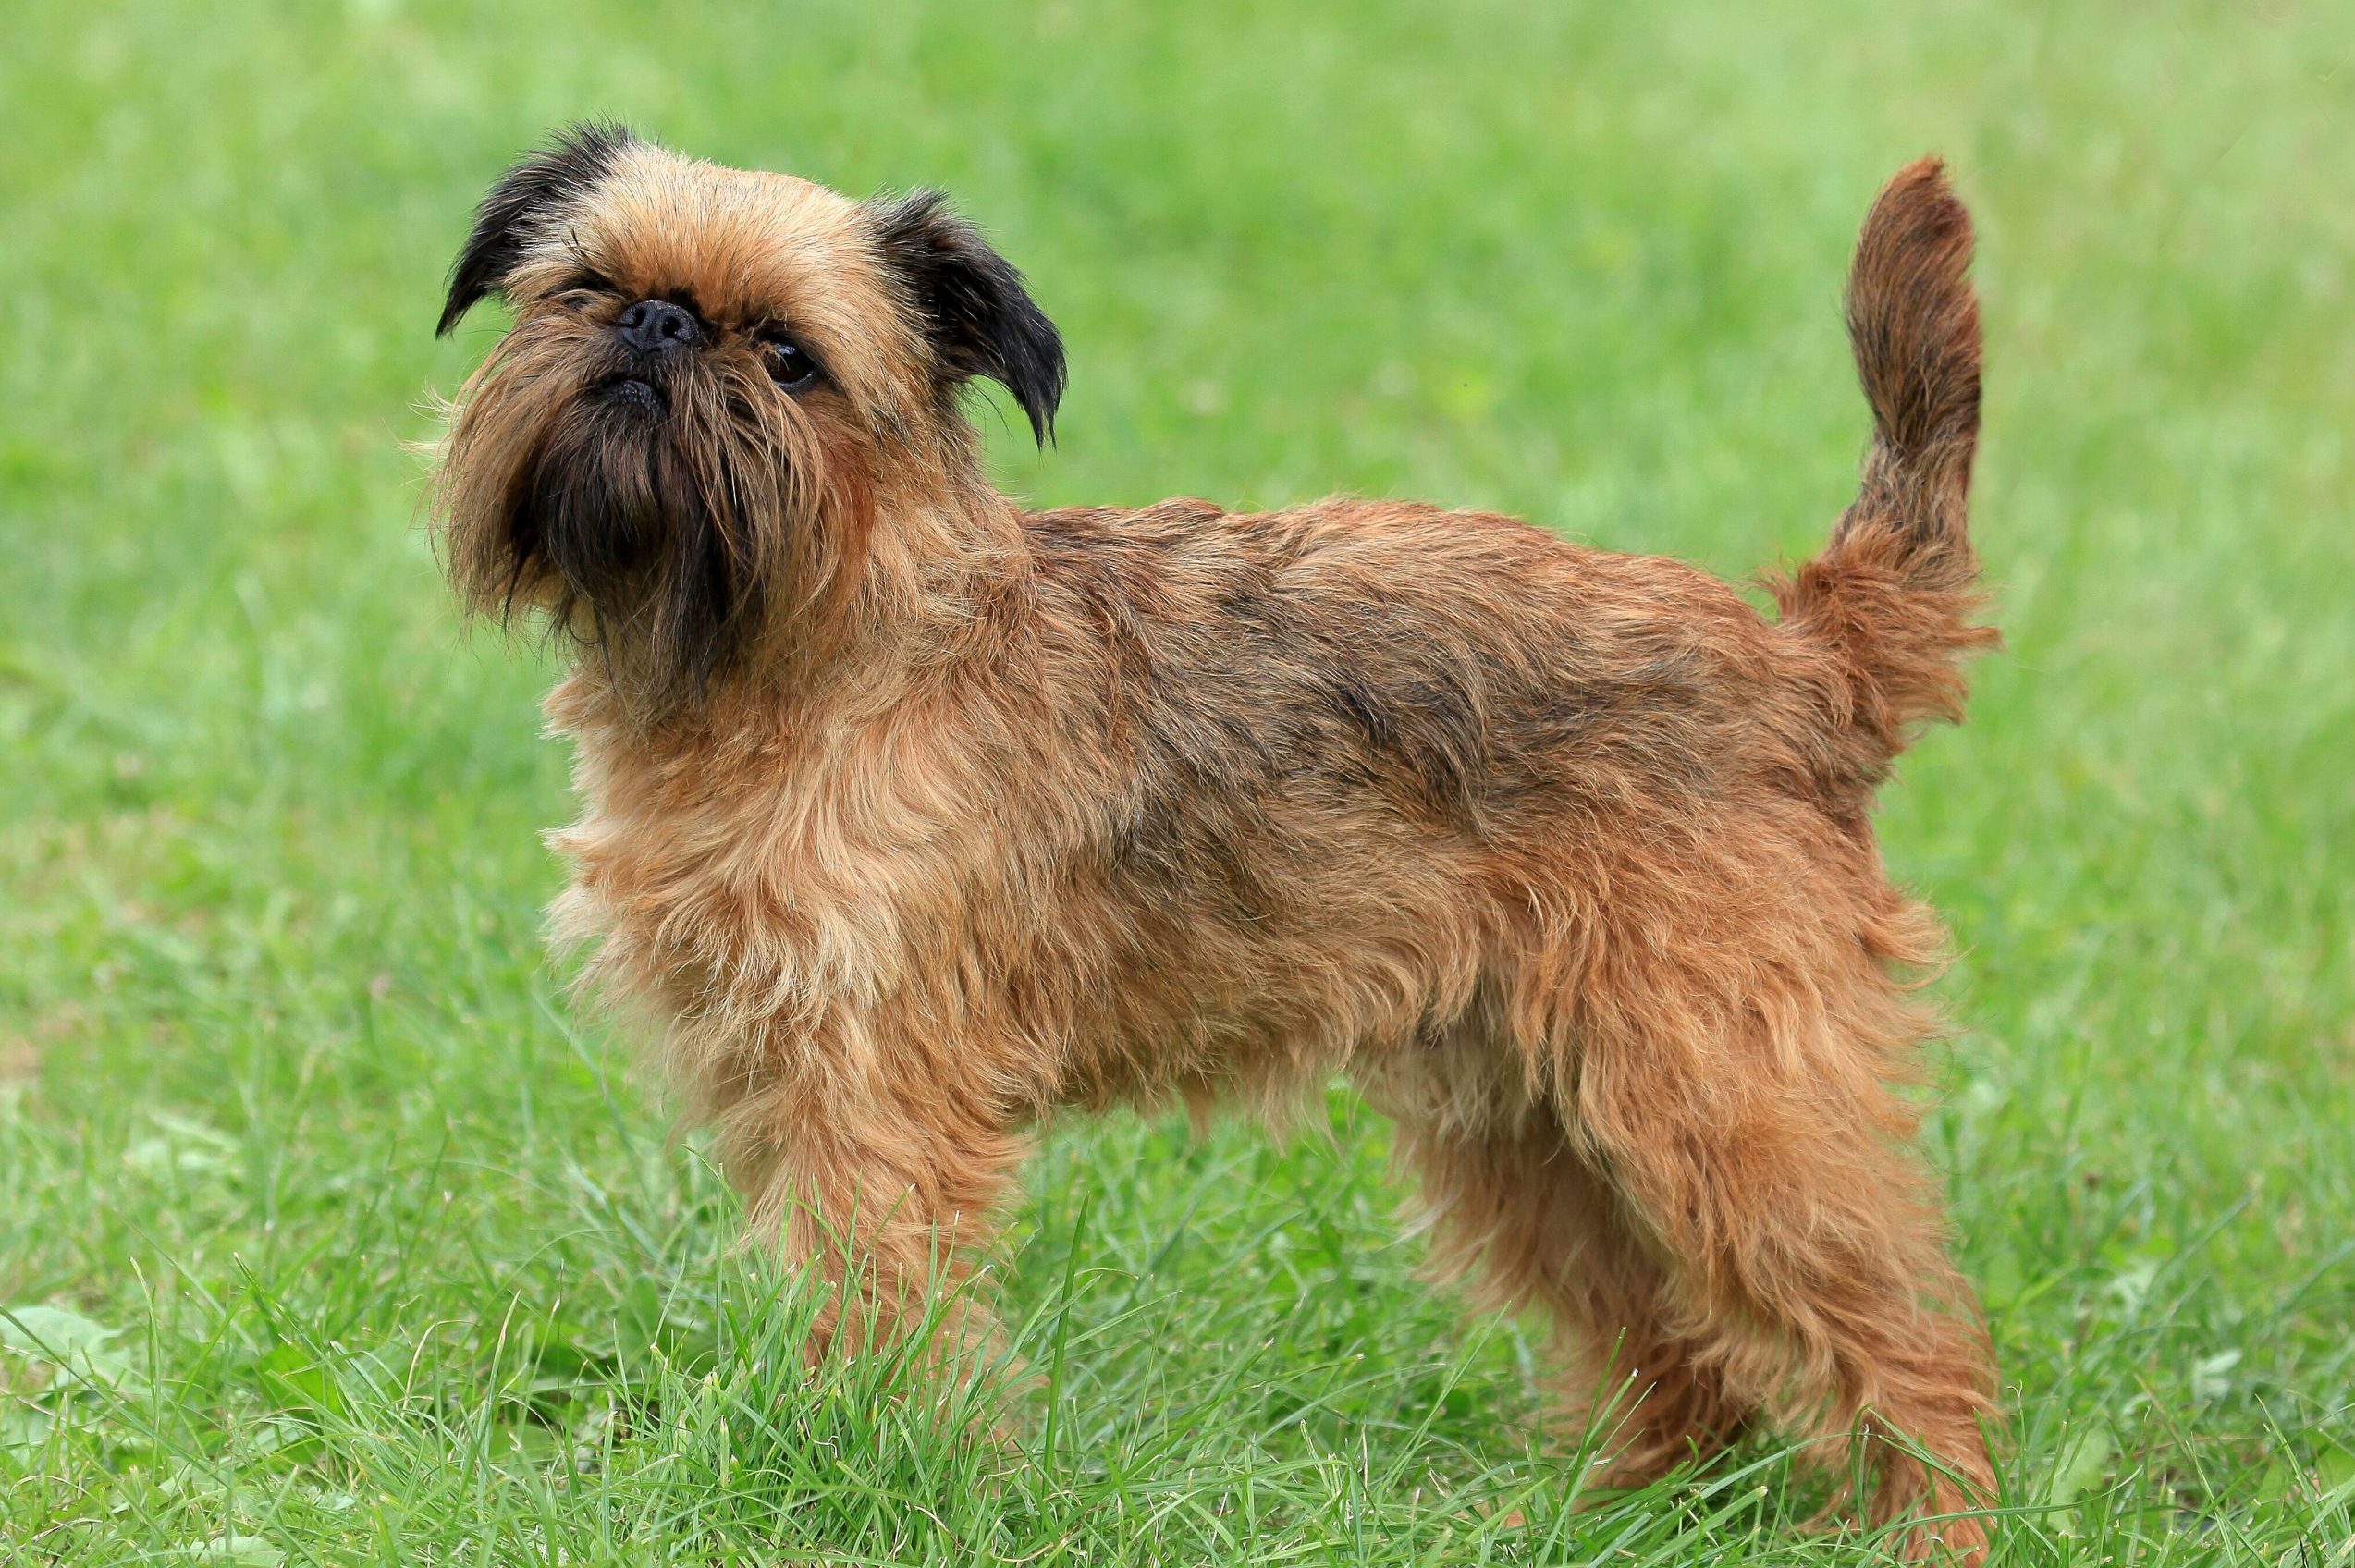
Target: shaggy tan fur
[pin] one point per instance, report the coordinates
(911, 816)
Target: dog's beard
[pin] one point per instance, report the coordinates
(660, 559)
(656, 524)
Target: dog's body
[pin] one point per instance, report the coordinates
(912, 816)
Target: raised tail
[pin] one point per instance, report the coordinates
(1893, 595)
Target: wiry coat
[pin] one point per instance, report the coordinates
(910, 816)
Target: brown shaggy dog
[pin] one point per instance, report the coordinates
(911, 816)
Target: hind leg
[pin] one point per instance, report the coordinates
(1516, 1213)
(1753, 1144)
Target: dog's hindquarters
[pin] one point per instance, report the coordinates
(1708, 1188)
(1716, 1195)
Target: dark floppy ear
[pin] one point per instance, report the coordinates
(574, 161)
(982, 321)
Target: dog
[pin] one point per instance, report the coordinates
(911, 816)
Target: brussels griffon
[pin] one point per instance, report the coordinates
(910, 816)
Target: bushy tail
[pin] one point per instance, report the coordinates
(1892, 595)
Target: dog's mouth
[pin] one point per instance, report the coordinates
(632, 392)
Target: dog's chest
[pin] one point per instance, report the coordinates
(770, 879)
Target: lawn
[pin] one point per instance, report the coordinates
(397, 1261)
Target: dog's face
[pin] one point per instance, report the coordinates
(716, 381)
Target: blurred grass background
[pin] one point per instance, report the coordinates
(399, 1262)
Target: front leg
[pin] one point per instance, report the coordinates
(889, 1181)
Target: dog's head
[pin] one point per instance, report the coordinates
(716, 381)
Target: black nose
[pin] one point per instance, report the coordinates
(657, 326)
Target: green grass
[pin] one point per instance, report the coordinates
(401, 1263)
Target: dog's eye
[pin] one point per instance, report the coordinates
(789, 365)
(583, 289)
